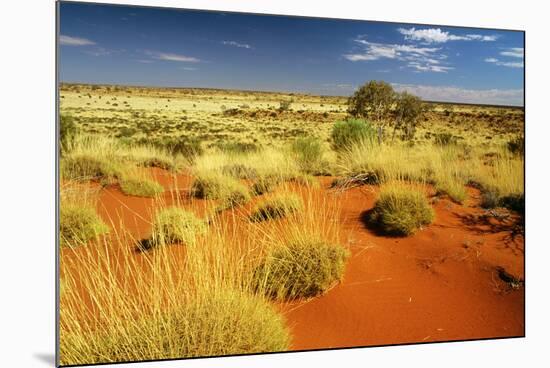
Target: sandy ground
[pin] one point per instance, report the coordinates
(446, 282)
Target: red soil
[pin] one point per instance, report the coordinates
(439, 284)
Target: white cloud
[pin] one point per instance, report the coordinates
(74, 41)
(456, 94)
(237, 44)
(421, 59)
(99, 51)
(509, 64)
(173, 57)
(436, 35)
(189, 68)
(516, 52)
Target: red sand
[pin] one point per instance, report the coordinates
(440, 284)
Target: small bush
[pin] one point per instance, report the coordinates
(308, 154)
(140, 187)
(79, 224)
(346, 133)
(301, 269)
(220, 187)
(277, 207)
(400, 212)
(176, 225)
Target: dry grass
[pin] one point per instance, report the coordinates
(176, 225)
(401, 211)
(277, 207)
(301, 269)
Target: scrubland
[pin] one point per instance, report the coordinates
(233, 212)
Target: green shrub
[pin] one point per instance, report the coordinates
(400, 212)
(79, 224)
(219, 187)
(223, 323)
(140, 187)
(301, 269)
(308, 154)
(277, 207)
(346, 133)
(176, 225)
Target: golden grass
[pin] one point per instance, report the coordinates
(208, 298)
(158, 306)
(174, 224)
(400, 210)
(79, 221)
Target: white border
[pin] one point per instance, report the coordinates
(27, 30)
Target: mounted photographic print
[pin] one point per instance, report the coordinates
(234, 183)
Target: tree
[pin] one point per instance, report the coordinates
(373, 100)
(408, 109)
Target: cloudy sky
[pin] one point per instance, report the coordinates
(167, 47)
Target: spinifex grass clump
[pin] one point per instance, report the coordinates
(176, 225)
(140, 186)
(301, 269)
(167, 305)
(79, 224)
(88, 167)
(452, 187)
(308, 153)
(227, 189)
(240, 171)
(349, 132)
(276, 207)
(221, 323)
(265, 184)
(401, 211)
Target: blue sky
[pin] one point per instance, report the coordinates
(183, 48)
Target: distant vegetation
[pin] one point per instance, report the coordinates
(251, 213)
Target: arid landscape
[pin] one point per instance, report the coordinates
(207, 222)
